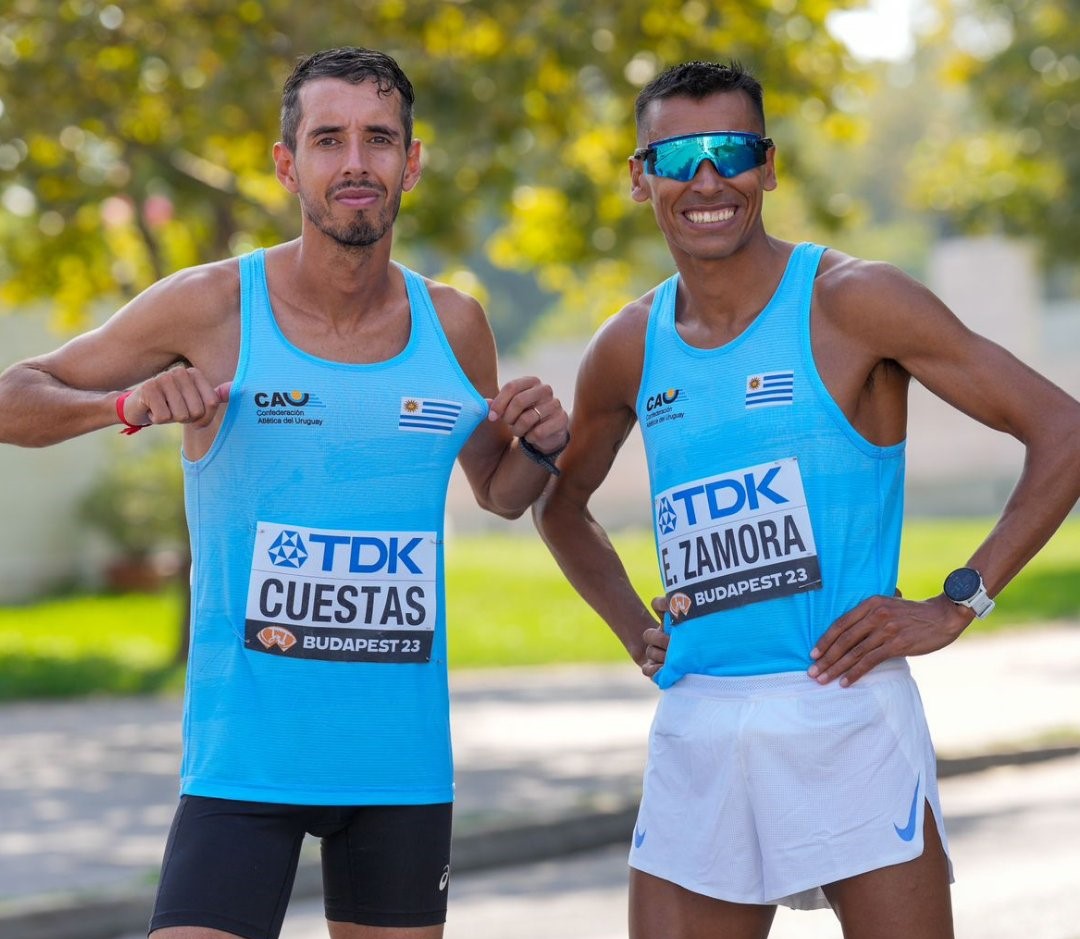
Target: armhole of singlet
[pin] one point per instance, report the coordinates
(425, 316)
(812, 259)
(250, 266)
(654, 331)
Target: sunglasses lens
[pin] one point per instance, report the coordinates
(731, 154)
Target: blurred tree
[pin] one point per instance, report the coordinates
(1002, 153)
(135, 136)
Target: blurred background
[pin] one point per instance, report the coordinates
(135, 139)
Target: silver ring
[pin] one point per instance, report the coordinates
(538, 414)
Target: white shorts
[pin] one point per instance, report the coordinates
(761, 789)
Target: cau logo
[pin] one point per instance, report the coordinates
(281, 399)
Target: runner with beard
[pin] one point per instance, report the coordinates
(325, 393)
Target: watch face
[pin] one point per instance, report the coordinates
(962, 584)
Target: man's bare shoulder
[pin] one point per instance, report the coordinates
(627, 326)
(204, 291)
(191, 315)
(611, 366)
(845, 282)
(877, 308)
(467, 330)
(455, 308)
(462, 318)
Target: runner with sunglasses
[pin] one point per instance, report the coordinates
(789, 760)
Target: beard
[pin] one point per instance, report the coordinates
(360, 231)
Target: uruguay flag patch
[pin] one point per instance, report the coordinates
(768, 389)
(428, 415)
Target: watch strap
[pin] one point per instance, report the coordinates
(981, 604)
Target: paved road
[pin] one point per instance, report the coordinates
(549, 761)
(1015, 840)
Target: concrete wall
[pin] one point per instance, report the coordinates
(956, 465)
(41, 543)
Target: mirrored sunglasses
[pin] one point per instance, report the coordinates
(678, 158)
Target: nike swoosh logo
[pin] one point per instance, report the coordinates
(639, 837)
(908, 831)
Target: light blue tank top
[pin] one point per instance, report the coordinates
(773, 515)
(317, 672)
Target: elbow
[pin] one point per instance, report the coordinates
(31, 436)
(28, 443)
(12, 432)
(512, 501)
(508, 511)
(18, 425)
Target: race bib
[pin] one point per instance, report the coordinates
(342, 595)
(738, 538)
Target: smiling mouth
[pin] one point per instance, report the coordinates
(705, 216)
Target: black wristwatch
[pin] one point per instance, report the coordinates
(965, 587)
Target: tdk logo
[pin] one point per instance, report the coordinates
(666, 519)
(366, 554)
(281, 399)
(662, 400)
(288, 550)
(722, 498)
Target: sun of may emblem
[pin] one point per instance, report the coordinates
(411, 406)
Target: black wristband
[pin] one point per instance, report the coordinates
(546, 460)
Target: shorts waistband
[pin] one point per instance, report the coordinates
(778, 683)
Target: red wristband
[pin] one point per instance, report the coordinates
(128, 427)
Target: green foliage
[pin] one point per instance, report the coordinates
(137, 501)
(1002, 151)
(135, 138)
(526, 615)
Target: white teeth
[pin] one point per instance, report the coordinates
(715, 215)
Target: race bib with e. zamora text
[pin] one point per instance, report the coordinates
(737, 538)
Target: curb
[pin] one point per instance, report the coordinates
(481, 847)
(961, 766)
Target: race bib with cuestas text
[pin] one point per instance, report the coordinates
(342, 595)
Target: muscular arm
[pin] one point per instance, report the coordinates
(910, 326)
(603, 416)
(503, 480)
(73, 390)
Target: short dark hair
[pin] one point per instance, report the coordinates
(698, 80)
(350, 64)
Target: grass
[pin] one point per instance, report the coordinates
(1047, 589)
(508, 604)
(116, 644)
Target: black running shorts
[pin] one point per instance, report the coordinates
(230, 865)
